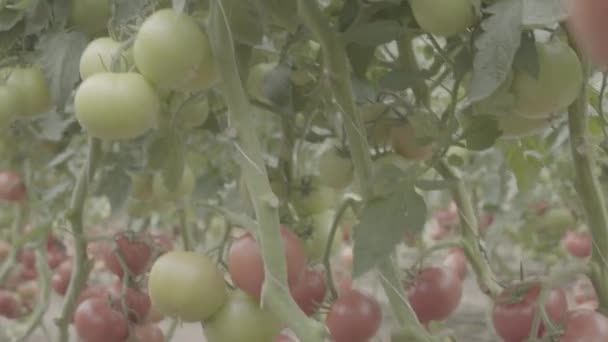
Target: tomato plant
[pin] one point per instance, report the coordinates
(435, 285)
(354, 316)
(171, 291)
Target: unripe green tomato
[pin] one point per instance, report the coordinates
(313, 198)
(404, 141)
(242, 319)
(116, 106)
(443, 17)
(192, 113)
(559, 81)
(9, 106)
(186, 285)
(170, 48)
(98, 55)
(516, 126)
(336, 169)
(556, 219)
(32, 87)
(184, 189)
(257, 80)
(90, 16)
(315, 245)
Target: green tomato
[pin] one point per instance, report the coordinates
(312, 197)
(171, 50)
(559, 81)
(9, 106)
(257, 79)
(315, 245)
(90, 16)
(184, 189)
(517, 126)
(98, 56)
(186, 285)
(443, 17)
(33, 89)
(113, 106)
(241, 319)
(336, 169)
(191, 112)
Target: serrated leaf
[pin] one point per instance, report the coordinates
(9, 18)
(544, 12)
(526, 58)
(383, 223)
(245, 21)
(400, 79)
(482, 132)
(525, 166)
(373, 33)
(59, 55)
(115, 185)
(496, 48)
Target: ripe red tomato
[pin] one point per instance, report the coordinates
(55, 258)
(28, 274)
(28, 258)
(96, 320)
(94, 291)
(137, 302)
(585, 325)
(154, 316)
(578, 244)
(61, 277)
(310, 290)
(9, 304)
(12, 188)
(515, 308)
(246, 266)
(97, 250)
(149, 333)
(457, 261)
(587, 22)
(435, 285)
(355, 316)
(584, 294)
(136, 254)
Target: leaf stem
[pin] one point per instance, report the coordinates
(82, 264)
(275, 293)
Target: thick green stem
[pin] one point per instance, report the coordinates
(275, 294)
(589, 190)
(336, 63)
(82, 265)
(470, 232)
(185, 229)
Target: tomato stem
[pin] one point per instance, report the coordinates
(11, 260)
(589, 188)
(82, 264)
(275, 293)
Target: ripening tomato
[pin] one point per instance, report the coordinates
(136, 254)
(584, 325)
(12, 188)
(27, 258)
(149, 332)
(241, 319)
(558, 84)
(185, 187)
(96, 320)
(587, 22)
(354, 317)
(98, 57)
(187, 285)
(435, 285)
(116, 106)
(336, 168)
(310, 289)
(377, 123)
(443, 17)
(171, 50)
(578, 244)
(403, 138)
(515, 308)
(32, 87)
(137, 301)
(312, 197)
(246, 266)
(61, 277)
(9, 304)
(10, 107)
(90, 16)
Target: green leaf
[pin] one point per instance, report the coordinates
(115, 185)
(482, 132)
(496, 48)
(526, 58)
(383, 223)
(59, 55)
(38, 18)
(245, 21)
(373, 33)
(525, 166)
(348, 14)
(12, 36)
(400, 79)
(544, 12)
(9, 18)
